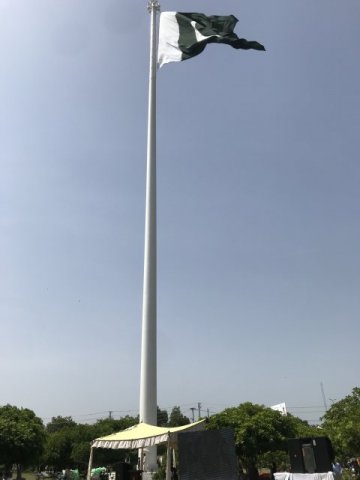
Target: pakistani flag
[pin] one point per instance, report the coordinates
(184, 35)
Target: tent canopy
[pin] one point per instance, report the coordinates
(144, 435)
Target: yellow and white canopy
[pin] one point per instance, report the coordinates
(144, 435)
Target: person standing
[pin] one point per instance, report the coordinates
(337, 470)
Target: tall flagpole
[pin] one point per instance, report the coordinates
(148, 376)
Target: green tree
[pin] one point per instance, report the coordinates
(342, 424)
(69, 446)
(82, 436)
(260, 432)
(59, 442)
(22, 437)
(177, 419)
(58, 448)
(162, 417)
(58, 423)
(110, 425)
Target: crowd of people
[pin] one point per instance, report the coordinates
(351, 467)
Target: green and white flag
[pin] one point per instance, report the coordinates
(184, 35)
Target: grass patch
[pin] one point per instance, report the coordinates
(28, 476)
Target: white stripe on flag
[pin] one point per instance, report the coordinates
(168, 49)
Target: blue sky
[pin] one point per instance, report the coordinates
(258, 208)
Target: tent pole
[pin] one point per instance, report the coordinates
(88, 476)
(168, 460)
(141, 459)
(174, 458)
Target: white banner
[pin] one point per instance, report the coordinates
(280, 407)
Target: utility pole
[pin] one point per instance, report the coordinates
(199, 410)
(110, 414)
(193, 413)
(323, 396)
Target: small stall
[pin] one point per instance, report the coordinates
(141, 436)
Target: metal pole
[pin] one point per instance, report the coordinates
(88, 476)
(323, 396)
(168, 460)
(148, 377)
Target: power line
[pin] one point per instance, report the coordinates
(86, 417)
(308, 406)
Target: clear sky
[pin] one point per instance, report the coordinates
(258, 208)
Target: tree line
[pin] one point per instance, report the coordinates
(260, 435)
